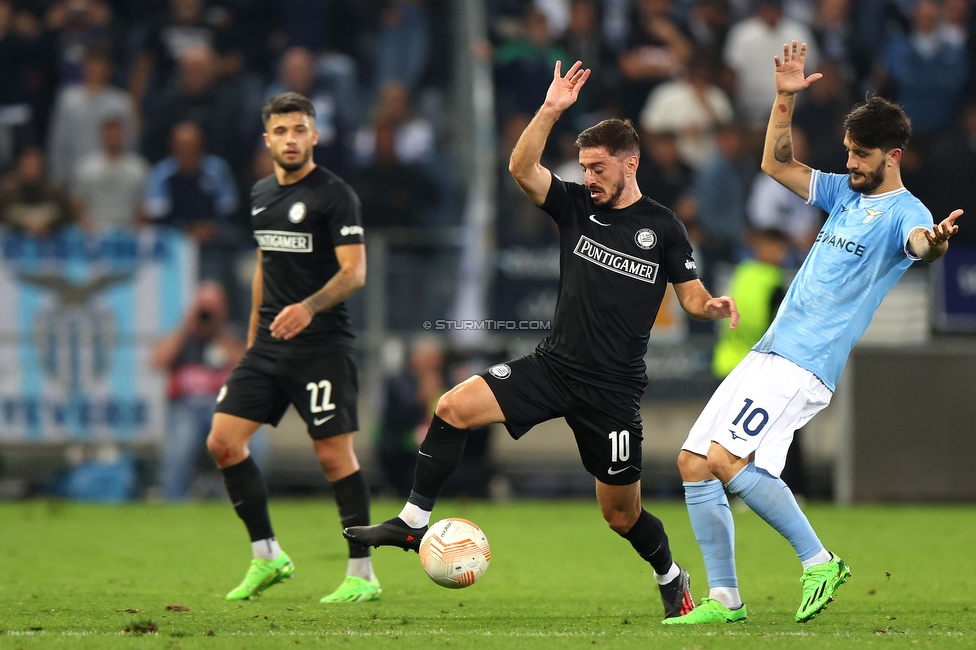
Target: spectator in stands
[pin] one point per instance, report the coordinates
(297, 73)
(708, 24)
(72, 27)
(657, 51)
(199, 96)
(194, 191)
(523, 67)
(693, 107)
(721, 186)
(184, 25)
(30, 202)
(583, 41)
(663, 175)
(952, 170)
(773, 207)
(821, 117)
(402, 43)
(80, 112)
(928, 72)
(413, 140)
(16, 113)
(392, 193)
(110, 184)
(198, 357)
(750, 47)
(840, 45)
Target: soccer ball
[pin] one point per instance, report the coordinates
(455, 553)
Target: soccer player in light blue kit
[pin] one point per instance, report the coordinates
(875, 230)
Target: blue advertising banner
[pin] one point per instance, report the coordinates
(955, 289)
(79, 315)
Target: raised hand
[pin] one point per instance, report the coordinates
(789, 71)
(563, 91)
(941, 232)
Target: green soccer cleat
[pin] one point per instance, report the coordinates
(355, 590)
(820, 583)
(710, 611)
(261, 575)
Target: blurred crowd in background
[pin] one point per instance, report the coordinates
(128, 113)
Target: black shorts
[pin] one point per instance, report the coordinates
(323, 386)
(606, 424)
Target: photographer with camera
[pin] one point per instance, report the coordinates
(199, 356)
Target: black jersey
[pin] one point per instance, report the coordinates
(297, 228)
(614, 267)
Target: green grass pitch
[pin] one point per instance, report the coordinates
(154, 576)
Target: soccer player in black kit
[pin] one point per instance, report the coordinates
(619, 250)
(311, 258)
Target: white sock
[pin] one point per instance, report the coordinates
(822, 557)
(672, 573)
(267, 549)
(361, 567)
(728, 596)
(414, 516)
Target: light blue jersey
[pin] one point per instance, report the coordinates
(859, 255)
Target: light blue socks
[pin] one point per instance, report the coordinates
(711, 519)
(770, 498)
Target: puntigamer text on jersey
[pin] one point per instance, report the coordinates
(282, 240)
(617, 262)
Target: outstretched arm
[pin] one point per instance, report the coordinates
(778, 159)
(930, 245)
(526, 161)
(699, 304)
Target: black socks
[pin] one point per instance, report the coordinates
(352, 497)
(439, 456)
(648, 538)
(249, 495)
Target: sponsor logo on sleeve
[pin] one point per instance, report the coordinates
(346, 231)
(284, 241)
(633, 267)
(296, 212)
(690, 265)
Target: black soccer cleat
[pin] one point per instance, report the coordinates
(676, 595)
(392, 532)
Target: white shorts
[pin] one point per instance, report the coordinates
(757, 408)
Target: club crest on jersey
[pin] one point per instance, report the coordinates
(296, 212)
(872, 215)
(500, 371)
(645, 238)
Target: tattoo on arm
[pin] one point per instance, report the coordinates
(784, 148)
(321, 300)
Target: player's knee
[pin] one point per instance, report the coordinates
(223, 451)
(720, 466)
(451, 409)
(693, 467)
(619, 520)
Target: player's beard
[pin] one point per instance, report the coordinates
(611, 199)
(295, 165)
(869, 181)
